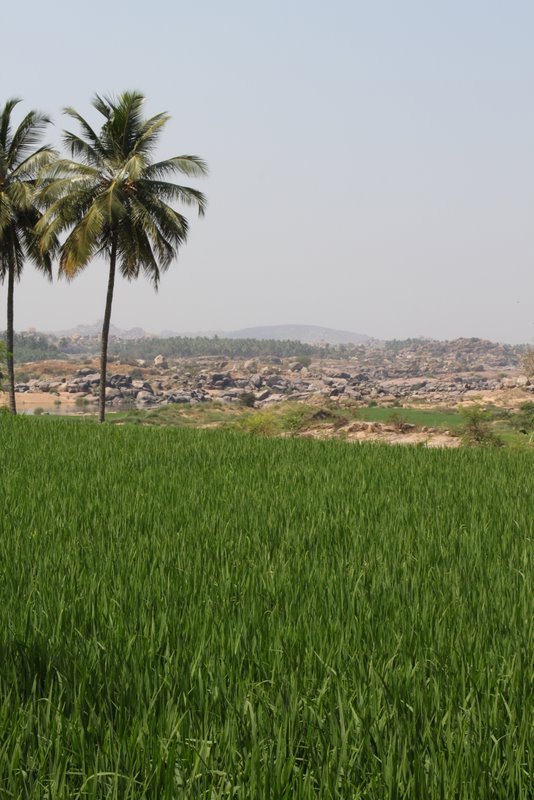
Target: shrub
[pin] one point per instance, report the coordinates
(523, 419)
(477, 430)
(398, 421)
(263, 423)
(293, 419)
(247, 399)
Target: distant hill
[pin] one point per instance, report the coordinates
(96, 330)
(307, 334)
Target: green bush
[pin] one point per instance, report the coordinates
(477, 427)
(247, 399)
(398, 421)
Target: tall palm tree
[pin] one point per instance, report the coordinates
(20, 163)
(115, 200)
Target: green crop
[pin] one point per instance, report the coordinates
(205, 614)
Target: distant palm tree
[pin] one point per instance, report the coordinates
(115, 200)
(20, 164)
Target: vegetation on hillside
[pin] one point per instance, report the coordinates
(34, 347)
(39, 347)
(214, 346)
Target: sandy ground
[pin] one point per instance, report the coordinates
(29, 401)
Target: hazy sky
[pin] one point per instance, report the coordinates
(371, 163)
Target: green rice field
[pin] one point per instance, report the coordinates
(206, 614)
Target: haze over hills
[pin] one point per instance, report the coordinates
(96, 329)
(308, 334)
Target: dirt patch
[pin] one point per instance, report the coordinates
(503, 398)
(379, 432)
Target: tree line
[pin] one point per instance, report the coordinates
(109, 197)
(183, 346)
(39, 347)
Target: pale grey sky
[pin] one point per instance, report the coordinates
(371, 164)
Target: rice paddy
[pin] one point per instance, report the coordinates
(205, 614)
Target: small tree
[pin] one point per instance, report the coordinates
(477, 427)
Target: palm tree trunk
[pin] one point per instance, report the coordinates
(105, 331)
(10, 337)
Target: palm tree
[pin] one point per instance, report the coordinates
(20, 164)
(115, 200)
